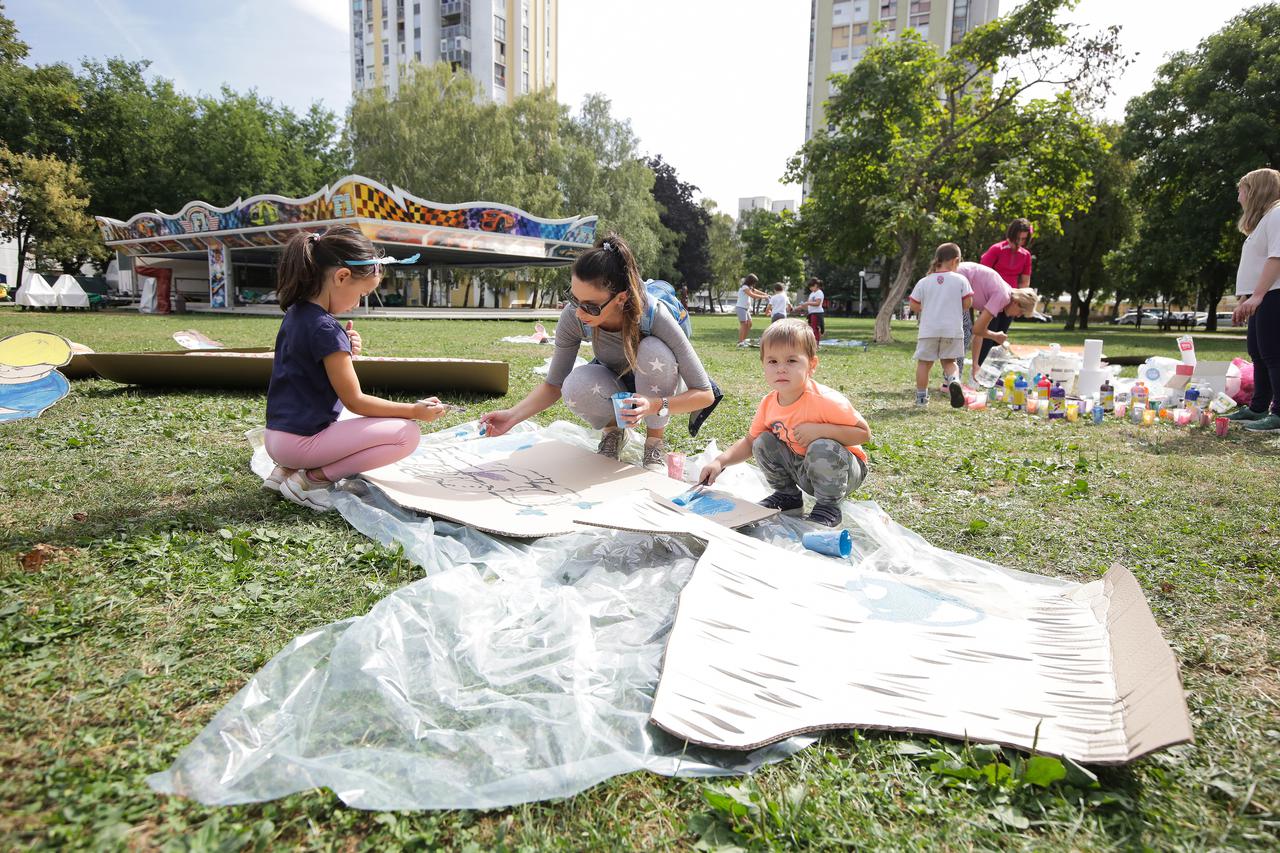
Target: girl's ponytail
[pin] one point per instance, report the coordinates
(611, 265)
(308, 258)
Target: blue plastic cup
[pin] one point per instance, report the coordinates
(619, 406)
(833, 543)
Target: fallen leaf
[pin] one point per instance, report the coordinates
(1166, 587)
(34, 560)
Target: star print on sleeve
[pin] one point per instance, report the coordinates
(597, 390)
(569, 403)
(655, 389)
(658, 365)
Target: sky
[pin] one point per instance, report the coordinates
(717, 87)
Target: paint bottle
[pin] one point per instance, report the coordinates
(1192, 401)
(1098, 413)
(1107, 396)
(1042, 390)
(1018, 396)
(993, 394)
(1009, 379)
(1140, 393)
(1057, 402)
(1073, 411)
(1137, 411)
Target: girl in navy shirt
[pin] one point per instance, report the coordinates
(312, 377)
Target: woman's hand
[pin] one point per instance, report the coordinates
(1245, 310)
(998, 337)
(710, 472)
(494, 424)
(429, 409)
(641, 407)
(357, 343)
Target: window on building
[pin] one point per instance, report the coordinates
(888, 9)
(839, 37)
(524, 82)
(500, 52)
(417, 33)
(499, 75)
(524, 37)
(959, 20)
(918, 13)
(499, 27)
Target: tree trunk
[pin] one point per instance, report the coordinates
(24, 241)
(901, 281)
(1072, 312)
(1085, 305)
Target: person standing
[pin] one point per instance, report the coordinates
(746, 292)
(817, 314)
(1258, 295)
(1010, 257)
(779, 303)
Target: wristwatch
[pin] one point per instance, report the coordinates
(664, 411)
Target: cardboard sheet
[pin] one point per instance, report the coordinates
(29, 380)
(526, 487)
(768, 643)
(251, 368)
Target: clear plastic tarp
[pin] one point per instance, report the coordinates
(514, 671)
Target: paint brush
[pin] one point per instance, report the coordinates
(690, 496)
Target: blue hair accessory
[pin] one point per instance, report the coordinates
(412, 259)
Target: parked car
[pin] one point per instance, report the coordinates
(1224, 320)
(1131, 319)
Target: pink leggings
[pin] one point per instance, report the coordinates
(345, 448)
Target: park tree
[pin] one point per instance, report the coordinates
(688, 221)
(38, 105)
(726, 253)
(43, 202)
(1209, 118)
(921, 145)
(1072, 262)
(771, 246)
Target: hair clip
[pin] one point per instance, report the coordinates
(313, 238)
(608, 247)
(384, 261)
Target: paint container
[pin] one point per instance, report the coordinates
(993, 394)
(1137, 412)
(833, 543)
(1121, 409)
(1220, 427)
(1098, 413)
(620, 406)
(1057, 402)
(1221, 404)
(1182, 417)
(675, 465)
(1032, 404)
(1018, 395)
(1073, 411)
(1206, 418)
(1107, 396)
(1148, 417)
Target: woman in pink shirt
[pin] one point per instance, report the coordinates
(1010, 256)
(996, 304)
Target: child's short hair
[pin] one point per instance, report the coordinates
(792, 334)
(778, 287)
(944, 254)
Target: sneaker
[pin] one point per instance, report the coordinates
(654, 457)
(275, 478)
(1244, 413)
(826, 514)
(783, 501)
(300, 489)
(611, 443)
(1271, 423)
(744, 344)
(922, 398)
(957, 394)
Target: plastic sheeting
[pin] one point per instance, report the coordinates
(513, 672)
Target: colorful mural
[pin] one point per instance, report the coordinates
(217, 277)
(270, 220)
(29, 380)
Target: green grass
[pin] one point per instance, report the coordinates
(175, 578)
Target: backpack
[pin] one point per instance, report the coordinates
(660, 293)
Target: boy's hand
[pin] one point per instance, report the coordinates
(710, 472)
(806, 434)
(356, 342)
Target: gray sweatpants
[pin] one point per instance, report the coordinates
(828, 471)
(589, 389)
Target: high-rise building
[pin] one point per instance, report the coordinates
(510, 46)
(841, 30)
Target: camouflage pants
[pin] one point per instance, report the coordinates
(828, 471)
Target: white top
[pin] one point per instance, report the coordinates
(940, 296)
(744, 298)
(816, 309)
(1263, 243)
(778, 303)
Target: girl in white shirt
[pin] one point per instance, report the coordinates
(779, 303)
(1258, 295)
(746, 293)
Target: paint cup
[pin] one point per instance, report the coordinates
(1073, 411)
(1220, 427)
(675, 465)
(833, 543)
(1148, 417)
(620, 406)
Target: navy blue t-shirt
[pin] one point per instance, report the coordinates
(300, 399)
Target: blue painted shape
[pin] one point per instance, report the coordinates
(530, 511)
(587, 504)
(708, 504)
(30, 399)
(903, 603)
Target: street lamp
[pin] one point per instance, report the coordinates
(862, 281)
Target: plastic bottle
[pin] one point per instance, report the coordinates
(1098, 413)
(1140, 393)
(1107, 396)
(1137, 411)
(1192, 401)
(1042, 389)
(1018, 394)
(1057, 402)
(1009, 379)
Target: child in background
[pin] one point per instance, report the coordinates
(806, 437)
(941, 299)
(779, 303)
(322, 275)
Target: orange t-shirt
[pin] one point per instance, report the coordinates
(817, 405)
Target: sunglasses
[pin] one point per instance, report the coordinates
(591, 308)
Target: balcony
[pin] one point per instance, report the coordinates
(456, 30)
(454, 9)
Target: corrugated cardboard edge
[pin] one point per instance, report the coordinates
(192, 369)
(1145, 669)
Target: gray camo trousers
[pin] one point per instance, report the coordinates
(828, 471)
(589, 389)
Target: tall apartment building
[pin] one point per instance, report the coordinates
(510, 46)
(841, 30)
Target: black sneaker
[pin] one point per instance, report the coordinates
(782, 501)
(828, 514)
(957, 395)
(698, 418)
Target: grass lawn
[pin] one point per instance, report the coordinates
(174, 578)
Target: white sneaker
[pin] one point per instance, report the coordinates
(299, 488)
(275, 478)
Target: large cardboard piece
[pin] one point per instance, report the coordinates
(251, 368)
(769, 643)
(523, 486)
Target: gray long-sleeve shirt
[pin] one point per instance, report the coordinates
(609, 351)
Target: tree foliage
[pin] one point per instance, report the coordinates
(771, 247)
(688, 221)
(726, 252)
(1209, 118)
(42, 208)
(922, 146)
